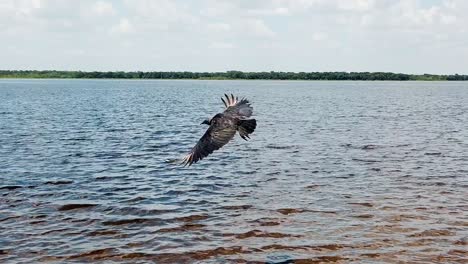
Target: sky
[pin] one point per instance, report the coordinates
(409, 36)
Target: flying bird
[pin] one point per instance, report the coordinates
(223, 127)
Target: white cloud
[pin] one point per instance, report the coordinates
(303, 5)
(257, 27)
(36, 3)
(448, 19)
(269, 12)
(221, 45)
(355, 5)
(319, 36)
(75, 52)
(449, 4)
(219, 27)
(343, 33)
(218, 8)
(103, 8)
(124, 26)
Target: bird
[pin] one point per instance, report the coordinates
(223, 127)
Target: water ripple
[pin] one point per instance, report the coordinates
(360, 172)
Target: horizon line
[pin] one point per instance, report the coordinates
(225, 71)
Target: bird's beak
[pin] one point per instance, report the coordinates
(205, 122)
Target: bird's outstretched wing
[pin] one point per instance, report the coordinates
(234, 107)
(217, 135)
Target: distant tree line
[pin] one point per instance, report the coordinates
(235, 75)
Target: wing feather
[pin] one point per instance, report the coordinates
(217, 135)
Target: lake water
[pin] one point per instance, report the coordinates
(363, 172)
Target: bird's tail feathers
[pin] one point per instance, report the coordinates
(246, 127)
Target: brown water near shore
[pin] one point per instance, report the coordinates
(337, 172)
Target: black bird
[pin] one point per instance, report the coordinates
(223, 127)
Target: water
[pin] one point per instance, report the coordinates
(364, 172)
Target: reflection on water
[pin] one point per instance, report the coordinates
(358, 172)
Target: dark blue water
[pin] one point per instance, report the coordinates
(359, 172)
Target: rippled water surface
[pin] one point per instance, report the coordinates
(363, 172)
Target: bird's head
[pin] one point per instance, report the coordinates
(206, 122)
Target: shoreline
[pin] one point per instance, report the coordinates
(230, 75)
(207, 79)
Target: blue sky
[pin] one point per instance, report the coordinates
(411, 36)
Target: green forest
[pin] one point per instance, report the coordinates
(234, 75)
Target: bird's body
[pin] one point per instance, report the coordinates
(223, 127)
